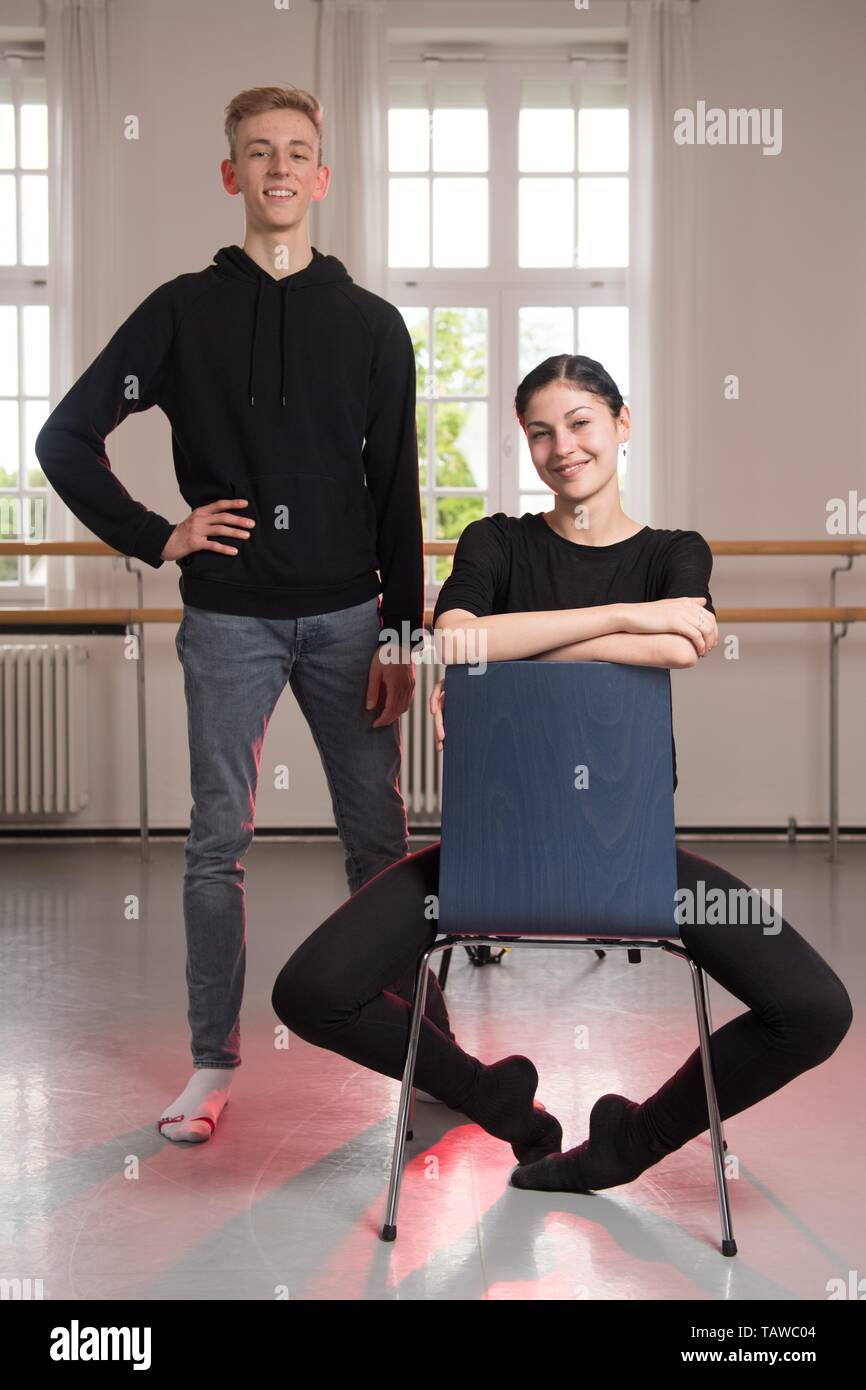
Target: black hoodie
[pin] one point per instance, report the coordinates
(297, 394)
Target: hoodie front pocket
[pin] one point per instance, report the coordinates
(312, 531)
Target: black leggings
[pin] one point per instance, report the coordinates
(334, 992)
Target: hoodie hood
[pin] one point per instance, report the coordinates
(233, 262)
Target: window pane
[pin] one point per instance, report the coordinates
(535, 502)
(459, 139)
(527, 473)
(8, 350)
(603, 141)
(603, 94)
(407, 92)
(460, 96)
(546, 222)
(8, 444)
(36, 358)
(408, 222)
(34, 219)
(7, 135)
(422, 410)
(8, 237)
(35, 566)
(603, 222)
(546, 140)
(602, 332)
(542, 93)
(460, 344)
(408, 140)
(34, 137)
(453, 514)
(34, 90)
(416, 320)
(11, 521)
(543, 332)
(35, 524)
(460, 222)
(621, 470)
(14, 517)
(35, 415)
(461, 443)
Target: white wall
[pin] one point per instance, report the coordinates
(780, 302)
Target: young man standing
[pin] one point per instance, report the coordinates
(291, 395)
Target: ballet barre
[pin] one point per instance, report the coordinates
(125, 621)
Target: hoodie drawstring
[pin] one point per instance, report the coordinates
(283, 294)
(253, 343)
(233, 262)
(283, 344)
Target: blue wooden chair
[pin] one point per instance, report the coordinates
(558, 831)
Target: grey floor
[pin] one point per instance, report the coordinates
(287, 1198)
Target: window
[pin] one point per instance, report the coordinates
(452, 417)
(508, 243)
(24, 328)
(438, 218)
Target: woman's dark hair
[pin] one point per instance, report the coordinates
(584, 372)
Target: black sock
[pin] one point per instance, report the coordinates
(620, 1146)
(502, 1102)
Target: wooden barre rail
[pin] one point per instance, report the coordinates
(829, 547)
(119, 617)
(115, 616)
(839, 547)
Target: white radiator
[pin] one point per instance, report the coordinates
(420, 778)
(43, 728)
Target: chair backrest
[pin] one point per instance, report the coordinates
(557, 800)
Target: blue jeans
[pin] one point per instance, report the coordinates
(235, 669)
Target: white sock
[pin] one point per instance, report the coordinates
(193, 1116)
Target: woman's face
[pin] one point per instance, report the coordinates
(573, 439)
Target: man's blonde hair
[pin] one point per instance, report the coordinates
(258, 99)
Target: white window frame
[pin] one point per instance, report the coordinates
(456, 297)
(502, 286)
(23, 286)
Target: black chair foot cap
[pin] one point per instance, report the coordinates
(484, 955)
(729, 1247)
(389, 1233)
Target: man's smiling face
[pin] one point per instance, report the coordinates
(276, 169)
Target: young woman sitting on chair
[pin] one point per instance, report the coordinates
(582, 582)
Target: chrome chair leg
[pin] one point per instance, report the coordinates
(729, 1245)
(710, 1022)
(444, 967)
(410, 1120)
(407, 1098)
(407, 1090)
